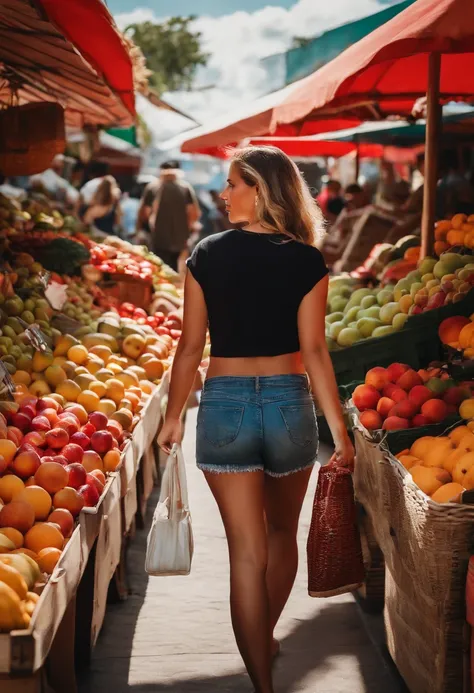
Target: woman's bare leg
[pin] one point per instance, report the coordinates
(283, 501)
(240, 497)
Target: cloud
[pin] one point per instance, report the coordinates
(237, 43)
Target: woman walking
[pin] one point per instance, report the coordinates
(262, 290)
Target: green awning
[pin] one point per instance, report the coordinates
(304, 60)
(126, 134)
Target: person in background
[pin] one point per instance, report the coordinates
(391, 191)
(170, 208)
(130, 204)
(94, 173)
(52, 182)
(9, 190)
(103, 210)
(218, 215)
(355, 197)
(330, 200)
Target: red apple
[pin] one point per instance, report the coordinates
(102, 441)
(81, 439)
(25, 464)
(90, 495)
(99, 420)
(57, 438)
(77, 475)
(41, 423)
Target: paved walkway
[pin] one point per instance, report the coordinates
(173, 635)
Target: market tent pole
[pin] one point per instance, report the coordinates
(357, 161)
(433, 121)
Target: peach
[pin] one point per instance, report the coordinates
(10, 486)
(368, 418)
(450, 462)
(50, 415)
(89, 400)
(46, 403)
(94, 481)
(429, 479)
(420, 394)
(44, 535)
(21, 420)
(437, 451)
(38, 498)
(69, 389)
(406, 409)
(73, 423)
(466, 410)
(455, 395)
(462, 473)
(17, 514)
(25, 464)
(40, 423)
(78, 354)
(408, 380)
(420, 420)
(57, 438)
(378, 377)
(115, 390)
(384, 405)
(115, 429)
(76, 475)
(90, 495)
(101, 441)
(107, 406)
(14, 435)
(458, 433)
(421, 446)
(69, 499)
(99, 475)
(72, 452)
(365, 397)
(8, 449)
(92, 460)
(396, 370)
(51, 476)
(398, 395)
(14, 535)
(99, 420)
(3, 465)
(48, 559)
(435, 410)
(81, 439)
(448, 493)
(78, 411)
(64, 519)
(408, 461)
(393, 423)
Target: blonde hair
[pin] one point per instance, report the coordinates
(284, 202)
(104, 195)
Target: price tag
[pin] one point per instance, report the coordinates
(56, 295)
(44, 279)
(7, 386)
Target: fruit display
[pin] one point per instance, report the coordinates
(399, 397)
(442, 466)
(457, 231)
(457, 332)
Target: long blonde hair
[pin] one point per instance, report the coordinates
(284, 202)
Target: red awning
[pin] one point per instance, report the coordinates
(254, 120)
(388, 69)
(88, 25)
(305, 147)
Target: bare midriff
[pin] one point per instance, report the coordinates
(285, 364)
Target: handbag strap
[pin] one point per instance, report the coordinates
(182, 500)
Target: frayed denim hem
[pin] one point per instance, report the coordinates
(291, 471)
(226, 469)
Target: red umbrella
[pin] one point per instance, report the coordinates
(389, 67)
(300, 147)
(427, 48)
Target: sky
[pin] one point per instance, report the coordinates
(238, 34)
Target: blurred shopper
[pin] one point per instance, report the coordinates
(219, 215)
(94, 174)
(330, 200)
(103, 210)
(170, 208)
(262, 290)
(52, 182)
(392, 191)
(130, 205)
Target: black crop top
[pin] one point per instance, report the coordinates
(253, 284)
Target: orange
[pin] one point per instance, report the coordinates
(153, 369)
(43, 535)
(47, 559)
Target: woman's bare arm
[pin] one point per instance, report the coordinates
(190, 348)
(315, 354)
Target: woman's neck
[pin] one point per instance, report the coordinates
(256, 227)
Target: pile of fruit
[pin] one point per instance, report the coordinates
(450, 233)
(354, 314)
(443, 466)
(170, 324)
(458, 333)
(399, 397)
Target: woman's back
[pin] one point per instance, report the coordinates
(253, 284)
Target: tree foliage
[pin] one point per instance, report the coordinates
(172, 51)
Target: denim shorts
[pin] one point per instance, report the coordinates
(264, 423)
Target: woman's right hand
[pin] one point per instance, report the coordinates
(171, 433)
(344, 454)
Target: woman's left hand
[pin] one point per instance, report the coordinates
(344, 454)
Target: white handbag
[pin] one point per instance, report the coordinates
(170, 543)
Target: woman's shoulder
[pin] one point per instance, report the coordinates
(217, 239)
